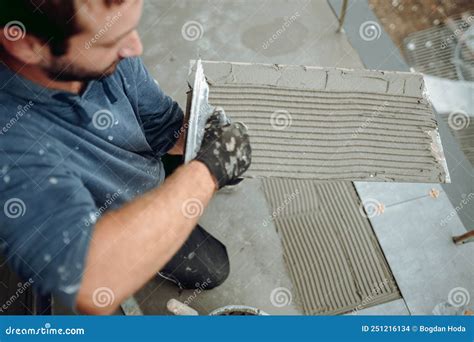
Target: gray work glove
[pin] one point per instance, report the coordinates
(225, 148)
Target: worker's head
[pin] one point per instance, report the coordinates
(72, 40)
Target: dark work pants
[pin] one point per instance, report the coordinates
(202, 262)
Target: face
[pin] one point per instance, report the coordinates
(108, 35)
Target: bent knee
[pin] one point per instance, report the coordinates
(218, 276)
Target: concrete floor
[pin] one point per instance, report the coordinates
(257, 267)
(236, 31)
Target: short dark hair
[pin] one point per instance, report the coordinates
(52, 21)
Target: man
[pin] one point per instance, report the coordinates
(87, 212)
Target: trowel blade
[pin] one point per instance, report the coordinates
(201, 110)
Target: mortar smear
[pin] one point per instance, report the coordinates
(331, 124)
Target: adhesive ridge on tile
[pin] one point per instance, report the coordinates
(330, 123)
(329, 246)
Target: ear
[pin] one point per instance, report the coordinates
(27, 49)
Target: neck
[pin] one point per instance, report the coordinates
(37, 75)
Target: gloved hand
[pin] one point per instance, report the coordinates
(225, 148)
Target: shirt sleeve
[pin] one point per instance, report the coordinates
(161, 117)
(46, 219)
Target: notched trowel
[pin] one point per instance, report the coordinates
(200, 112)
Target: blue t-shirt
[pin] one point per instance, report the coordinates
(65, 159)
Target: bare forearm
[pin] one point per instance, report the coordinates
(131, 244)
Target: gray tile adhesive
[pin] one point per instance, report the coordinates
(330, 248)
(329, 123)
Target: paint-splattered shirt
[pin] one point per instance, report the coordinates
(66, 159)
